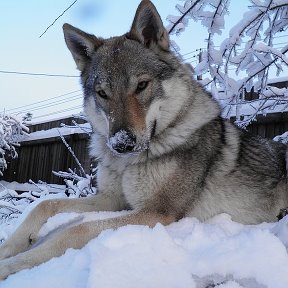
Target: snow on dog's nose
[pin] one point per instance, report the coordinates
(122, 142)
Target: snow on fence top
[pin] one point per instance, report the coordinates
(56, 132)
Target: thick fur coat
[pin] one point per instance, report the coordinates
(162, 148)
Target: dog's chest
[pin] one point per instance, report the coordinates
(142, 182)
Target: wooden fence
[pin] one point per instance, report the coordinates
(38, 158)
(269, 126)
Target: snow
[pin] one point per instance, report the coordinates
(277, 80)
(30, 187)
(283, 138)
(56, 132)
(184, 254)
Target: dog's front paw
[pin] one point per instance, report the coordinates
(13, 246)
(4, 270)
(12, 265)
(5, 251)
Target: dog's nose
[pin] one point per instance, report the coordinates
(123, 141)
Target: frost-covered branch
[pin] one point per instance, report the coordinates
(248, 58)
(12, 204)
(82, 171)
(178, 23)
(77, 185)
(11, 129)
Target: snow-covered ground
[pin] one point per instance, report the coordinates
(219, 253)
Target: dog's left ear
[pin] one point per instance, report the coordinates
(147, 27)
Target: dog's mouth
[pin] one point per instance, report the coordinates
(153, 130)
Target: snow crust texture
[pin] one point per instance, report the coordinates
(219, 253)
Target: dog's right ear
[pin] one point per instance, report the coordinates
(81, 45)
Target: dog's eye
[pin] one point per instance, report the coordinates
(141, 86)
(102, 94)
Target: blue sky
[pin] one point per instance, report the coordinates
(22, 22)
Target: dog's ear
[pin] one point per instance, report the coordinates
(147, 27)
(80, 44)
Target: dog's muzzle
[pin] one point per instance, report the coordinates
(122, 142)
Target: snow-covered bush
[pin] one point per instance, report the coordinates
(283, 138)
(11, 128)
(12, 204)
(77, 182)
(246, 59)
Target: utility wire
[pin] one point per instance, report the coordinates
(194, 51)
(237, 50)
(60, 111)
(77, 76)
(196, 55)
(37, 74)
(58, 18)
(52, 98)
(73, 98)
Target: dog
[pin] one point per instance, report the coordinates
(163, 150)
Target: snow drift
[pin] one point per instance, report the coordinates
(219, 253)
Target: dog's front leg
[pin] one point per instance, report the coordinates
(75, 237)
(27, 232)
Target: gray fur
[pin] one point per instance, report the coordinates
(182, 159)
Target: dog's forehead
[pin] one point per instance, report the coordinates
(115, 45)
(122, 55)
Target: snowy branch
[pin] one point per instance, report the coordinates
(11, 129)
(247, 58)
(178, 23)
(77, 185)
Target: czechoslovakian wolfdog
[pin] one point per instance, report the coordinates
(163, 150)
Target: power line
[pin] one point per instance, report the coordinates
(189, 52)
(196, 55)
(280, 36)
(58, 18)
(194, 61)
(238, 49)
(42, 101)
(73, 98)
(196, 51)
(60, 111)
(244, 42)
(38, 74)
(61, 99)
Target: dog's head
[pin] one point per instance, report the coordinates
(122, 78)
